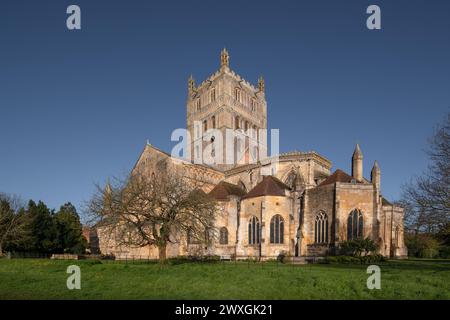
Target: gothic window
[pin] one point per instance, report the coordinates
(197, 102)
(321, 228)
(291, 180)
(396, 237)
(253, 230)
(205, 125)
(276, 229)
(253, 105)
(236, 123)
(237, 94)
(223, 237)
(191, 238)
(355, 225)
(213, 94)
(213, 120)
(246, 126)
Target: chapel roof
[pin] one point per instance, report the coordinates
(223, 190)
(338, 176)
(269, 186)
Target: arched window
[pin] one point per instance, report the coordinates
(396, 236)
(291, 180)
(253, 104)
(276, 229)
(236, 123)
(237, 94)
(223, 237)
(321, 228)
(191, 238)
(253, 230)
(205, 126)
(197, 102)
(355, 225)
(213, 94)
(213, 120)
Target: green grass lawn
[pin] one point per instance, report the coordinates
(46, 279)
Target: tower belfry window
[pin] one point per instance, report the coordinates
(213, 120)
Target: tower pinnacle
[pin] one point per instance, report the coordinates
(224, 59)
(357, 164)
(261, 84)
(191, 84)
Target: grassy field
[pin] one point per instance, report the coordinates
(46, 279)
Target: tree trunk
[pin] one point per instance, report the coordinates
(1, 250)
(162, 253)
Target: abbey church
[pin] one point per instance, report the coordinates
(296, 206)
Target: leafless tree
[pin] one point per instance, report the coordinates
(154, 210)
(14, 226)
(427, 198)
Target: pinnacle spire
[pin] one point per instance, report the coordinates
(357, 154)
(191, 83)
(375, 165)
(224, 58)
(261, 84)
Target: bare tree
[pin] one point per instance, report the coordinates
(155, 211)
(427, 198)
(14, 226)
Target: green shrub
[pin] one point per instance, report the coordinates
(369, 259)
(444, 252)
(193, 259)
(358, 247)
(282, 257)
(422, 246)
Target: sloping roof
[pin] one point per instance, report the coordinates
(337, 176)
(269, 186)
(384, 202)
(224, 190)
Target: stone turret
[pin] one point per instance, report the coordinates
(357, 164)
(375, 175)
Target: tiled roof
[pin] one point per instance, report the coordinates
(337, 176)
(269, 186)
(223, 190)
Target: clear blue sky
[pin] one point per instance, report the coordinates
(77, 107)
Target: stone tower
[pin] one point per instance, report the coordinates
(357, 164)
(225, 101)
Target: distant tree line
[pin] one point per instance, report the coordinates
(426, 200)
(35, 228)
